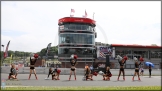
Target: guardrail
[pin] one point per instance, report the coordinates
(79, 71)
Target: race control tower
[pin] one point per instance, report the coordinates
(76, 36)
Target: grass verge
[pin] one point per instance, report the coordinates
(87, 88)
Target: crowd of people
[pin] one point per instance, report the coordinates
(88, 71)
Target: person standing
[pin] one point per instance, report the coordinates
(150, 69)
(121, 63)
(136, 69)
(73, 62)
(142, 71)
(32, 67)
(91, 68)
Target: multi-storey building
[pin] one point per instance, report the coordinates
(151, 53)
(76, 36)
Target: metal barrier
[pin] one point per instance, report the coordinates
(79, 71)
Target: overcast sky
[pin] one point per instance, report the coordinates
(31, 25)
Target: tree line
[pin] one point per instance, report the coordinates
(21, 54)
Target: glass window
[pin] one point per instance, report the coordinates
(76, 51)
(67, 39)
(74, 26)
(66, 26)
(83, 27)
(159, 54)
(155, 54)
(90, 28)
(77, 38)
(78, 27)
(87, 28)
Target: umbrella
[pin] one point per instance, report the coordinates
(147, 64)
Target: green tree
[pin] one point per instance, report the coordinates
(53, 51)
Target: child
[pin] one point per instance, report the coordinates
(142, 70)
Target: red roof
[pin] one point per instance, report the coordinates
(135, 46)
(77, 19)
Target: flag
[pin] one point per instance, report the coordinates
(72, 12)
(20, 65)
(85, 16)
(6, 52)
(48, 49)
(102, 54)
(109, 51)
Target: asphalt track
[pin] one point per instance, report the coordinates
(97, 81)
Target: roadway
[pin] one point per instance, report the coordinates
(23, 81)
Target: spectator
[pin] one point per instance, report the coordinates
(91, 68)
(142, 71)
(150, 69)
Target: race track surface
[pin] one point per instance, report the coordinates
(97, 81)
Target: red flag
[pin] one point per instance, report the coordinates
(6, 52)
(85, 16)
(72, 10)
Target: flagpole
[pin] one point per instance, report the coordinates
(10, 58)
(93, 15)
(10, 61)
(3, 54)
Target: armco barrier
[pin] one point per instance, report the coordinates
(79, 71)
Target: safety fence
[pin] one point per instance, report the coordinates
(79, 71)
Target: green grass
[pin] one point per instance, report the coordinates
(87, 88)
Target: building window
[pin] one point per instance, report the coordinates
(76, 26)
(77, 38)
(155, 54)
(83, 51)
